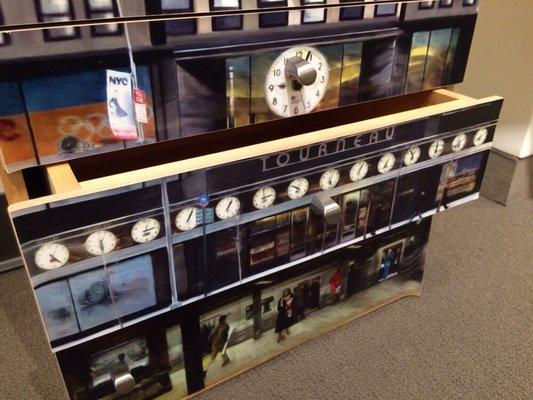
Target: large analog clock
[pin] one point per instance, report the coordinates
(411, 156)
(386, 163)
(145, 230)
(329, 179)
(481, 136)
(186, 219)
(296, 81)
(459, 142)
(51, 256)
(228, 207)
(297, 188)
(100, 242)
(358, 171)
(436, 148)
(264, 197)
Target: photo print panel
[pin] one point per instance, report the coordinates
(68, 114)
(461, 178)
(57, 310)
(16, 144)
(296, 306)
(114, 292)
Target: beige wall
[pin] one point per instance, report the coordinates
(501, 63)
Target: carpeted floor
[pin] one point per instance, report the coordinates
(469, 337)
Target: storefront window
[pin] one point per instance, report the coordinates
(98, 9)
(57, 11)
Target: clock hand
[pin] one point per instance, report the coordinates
(282, 85)
(52, 258)
(190, 215)
(229, 205)
(308, 56)
(302, 97)
(296, 187)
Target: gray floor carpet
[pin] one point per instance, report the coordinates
(468, 337)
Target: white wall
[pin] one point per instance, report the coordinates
(501, 63)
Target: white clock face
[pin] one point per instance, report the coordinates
(264, 197)
(329, 179)
(459, 142)
(145, 230)
(285, 94)
(186, 219)
(228, 207)
(436, 148)
(411, 156)
(480, 136)
(297, 188)
(358, 171)
(51, 256)
(386, 163)
(100, 242)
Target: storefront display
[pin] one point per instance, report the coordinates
(206, 74)
(277, 187)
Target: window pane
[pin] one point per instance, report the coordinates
(226, 3)
(55, 6)
(175, 5)
(101, 4)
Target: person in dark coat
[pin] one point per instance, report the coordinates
(218, 339)
(299, 303)
(285, 314)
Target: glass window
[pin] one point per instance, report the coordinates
(4, 37)
(469, 2)
(228, 22)
(275, 18)
(426, 4)
(386, 10)
(350, 13)
(313, 15)
(98, 9)
(57, 11)
(445, 3)
(179, 26)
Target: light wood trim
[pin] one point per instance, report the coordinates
(14, 186)
(454, 95)
(177, 167)
(61, 178)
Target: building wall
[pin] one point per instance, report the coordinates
(500, 63)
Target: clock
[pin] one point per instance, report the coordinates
(329, 179)
(436, 148)
(358, 171)
(480, 136)
(228, 207)
(296, 81)
(264, 197)
(100, 242)
(186, 219)
(411, 156)
(459, 142)
(145, 230)
(51, 256)
(386, 163)
(297, 188)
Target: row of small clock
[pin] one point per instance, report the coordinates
(265, 197)
(54, 255)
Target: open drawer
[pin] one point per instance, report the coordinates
(188, 218)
